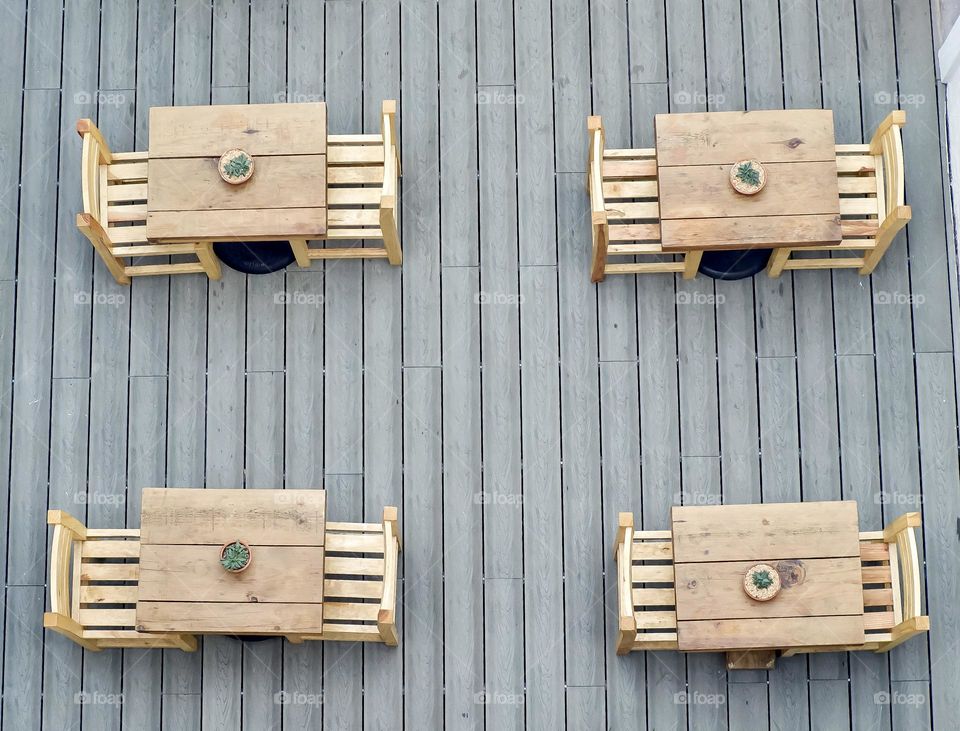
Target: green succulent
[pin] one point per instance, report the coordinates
(237, 167)
(747, 173)
(235, 557)
(762, 579)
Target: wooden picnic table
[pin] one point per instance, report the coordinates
(182, 586)
(699, 209)
(286, 197)
(815, 549)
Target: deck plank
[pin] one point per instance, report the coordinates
(800, 387)
(542, 517)
(463, 647)
(383, 375)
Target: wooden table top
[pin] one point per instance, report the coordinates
(285, 198)
(183, 587)
(815, 548)
(699, 209)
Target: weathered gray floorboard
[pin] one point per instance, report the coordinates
(463, 504)
(424, 559)
(383, 367)
(500, 346)
(421, 152)
(542, 518)
(853, 394)
(459, 104)
(536, 187)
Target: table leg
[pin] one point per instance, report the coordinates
(751, 659)
(691, 264)
(301, 251)
(209, 260)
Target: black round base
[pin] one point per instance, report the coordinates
(255, 257)
(254, 638)
(730, 265)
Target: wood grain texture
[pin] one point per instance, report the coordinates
(211, 517)
(237, 225)
(279, 181)
(772, 531)
(704, 191)
(260, 129)
(230, 617)
(800, 135)
(810, 587)
(750, 232)
(758, 634)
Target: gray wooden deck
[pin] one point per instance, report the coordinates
(405, 387)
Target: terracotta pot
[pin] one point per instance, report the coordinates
(757, 593)
(741, 186)
(223, 550)
(226, 158)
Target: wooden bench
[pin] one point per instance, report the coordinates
(872, 209)
(94, 576)
(625, 215)
(93, 587)
(360, 582)
(625, 212)
(362, 191)
(646, 602)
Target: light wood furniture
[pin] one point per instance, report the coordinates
(114, 190)
(681, 589)
(309, 578)
(871, 184)
(284, 199)
(307, 186)
(625, 212)
(639, 221)
(699, 209)
(94, 577)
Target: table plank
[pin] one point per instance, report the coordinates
(194, 183)
(747, 232)
(260, 129)
(724, 137)
(210, 517)
(286, 574)
(704, 191)
(230, 618)
(773, 530)
(758, 634)
(239, 225)
(826, 586)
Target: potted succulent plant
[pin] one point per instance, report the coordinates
(235, 557)
(236, 166)
(761, 582)
(748, 177)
